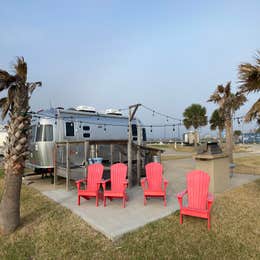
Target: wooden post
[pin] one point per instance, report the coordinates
(96, 151)
(120, 157)
(129, 145)
(138, 156)
(55, 165)
(111, 154)
(86, 148)
(67, 166)
(92, 151)
(129, 150)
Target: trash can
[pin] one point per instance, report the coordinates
(95, 160)
(157, 158)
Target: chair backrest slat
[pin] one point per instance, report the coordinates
(198, 186)
(154, 175)
(95, 172)
(118, 173)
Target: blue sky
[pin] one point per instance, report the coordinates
(164, 54)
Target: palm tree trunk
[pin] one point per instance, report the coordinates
(16, 151)
(220, 137)
(195, 139)
(229, 140)
(10, 203)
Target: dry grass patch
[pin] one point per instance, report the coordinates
(169, 157)
(49, 231)
(248, 165)
(183, 148)
(178, 148)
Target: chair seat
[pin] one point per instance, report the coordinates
(109, 193)
(154, 193)
(87, 192)
(195, 212)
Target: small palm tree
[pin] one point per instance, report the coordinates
(16, 148)
(195, 116)
(228, 103)
(249, 76)
(217, 122)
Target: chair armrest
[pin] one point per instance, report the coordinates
(210, 200)
(143, 181)
(165, 183)
(180, 196)
(125, 184)
(104, 182)
(78, 182)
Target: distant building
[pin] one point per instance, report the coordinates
(250, 138)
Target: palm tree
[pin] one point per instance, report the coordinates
(249, 76)
(228, 103)
(16, 148)
(217, 122)
(195, 116)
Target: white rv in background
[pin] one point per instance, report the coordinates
(190, 137)
(75, 124)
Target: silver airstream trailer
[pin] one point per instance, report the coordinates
(79, 124)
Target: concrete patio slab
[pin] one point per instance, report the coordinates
(114, 220)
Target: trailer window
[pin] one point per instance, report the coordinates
(86, 128)
(44, 133)
(134, 130)
(144, 134)
(32, 136)
(69, 129)
(86, 135)
(48, 133)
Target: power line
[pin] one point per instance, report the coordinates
(161, 114)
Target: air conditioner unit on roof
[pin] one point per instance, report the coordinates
(113, 111)
(86, 109)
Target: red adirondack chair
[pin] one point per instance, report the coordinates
(154, 185)
(93, 181)
(199, 199)
(118, 183)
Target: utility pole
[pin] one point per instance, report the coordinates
(132, 111)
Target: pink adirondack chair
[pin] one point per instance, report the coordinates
(199, 199)
(118, 183)
(154, 185)
(93, 181)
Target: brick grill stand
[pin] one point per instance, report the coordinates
(217, 166)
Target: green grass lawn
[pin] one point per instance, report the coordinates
(49, 231)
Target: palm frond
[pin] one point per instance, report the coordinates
(6, 79)
(21, 69)
(33, 86)
(220, 89)
(249, 75)
(11, 94)
(215, 97)
(254, 112)
(227, 88)
(4, 105)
